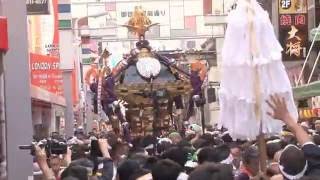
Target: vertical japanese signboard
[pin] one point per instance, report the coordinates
(293, 29)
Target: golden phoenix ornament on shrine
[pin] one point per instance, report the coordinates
(139, 23)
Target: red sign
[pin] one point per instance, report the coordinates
(45, 73)
(292, 20)
(3, 34)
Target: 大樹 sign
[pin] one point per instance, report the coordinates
(37, 7)
(293, 29)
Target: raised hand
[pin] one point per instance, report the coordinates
(280, 111)
(279, 108)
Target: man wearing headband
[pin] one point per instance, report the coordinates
(294, 162)
(250, 166)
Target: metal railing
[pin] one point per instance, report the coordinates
(307, 59)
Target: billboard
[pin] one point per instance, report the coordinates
(293, 29)
(45, 73)
(44, 50)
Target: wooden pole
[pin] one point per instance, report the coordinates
(257, 89)
(202, 119)
(262, 152)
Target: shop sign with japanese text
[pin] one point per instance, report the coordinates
(37, 7)
(293, 29)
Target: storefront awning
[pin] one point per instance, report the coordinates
(46, 96)
(307, 91)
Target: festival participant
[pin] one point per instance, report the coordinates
(128, 168)
(317, 127)
(206, 155)
(250, 164)
(80, 168)
(211, 171)
(294, 162)
(166, 170)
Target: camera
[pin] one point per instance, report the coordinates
(91, 148)
(52, 146)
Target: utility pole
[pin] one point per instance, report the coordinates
(67, 62)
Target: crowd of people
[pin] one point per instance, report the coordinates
(194, 155)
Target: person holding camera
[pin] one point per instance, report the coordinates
(81, 168)
(41, 157)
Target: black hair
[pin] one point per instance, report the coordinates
(136, 143)
(206, 154)
(249, 154)
(141, 159)
(208, 137)
(293, 160)
(147, 140)
(70, 178)
(290, 139)
(200, 143)
(227, 138)
(78, 172)
(140, 172)
(184, 143)
(127, 168)
(166, 170)
(83, 162)
(79, 151)
(151, 161)
(177, 154)
(272, 148)
(316, 139)
(163, 146)
(222, 152)
(212, 171)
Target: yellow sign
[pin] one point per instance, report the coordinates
(293, 6)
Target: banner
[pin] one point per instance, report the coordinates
(45, 73)
(293, 29)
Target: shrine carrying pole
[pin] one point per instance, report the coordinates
(257, 89)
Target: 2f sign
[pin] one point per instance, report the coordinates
(285, 4)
